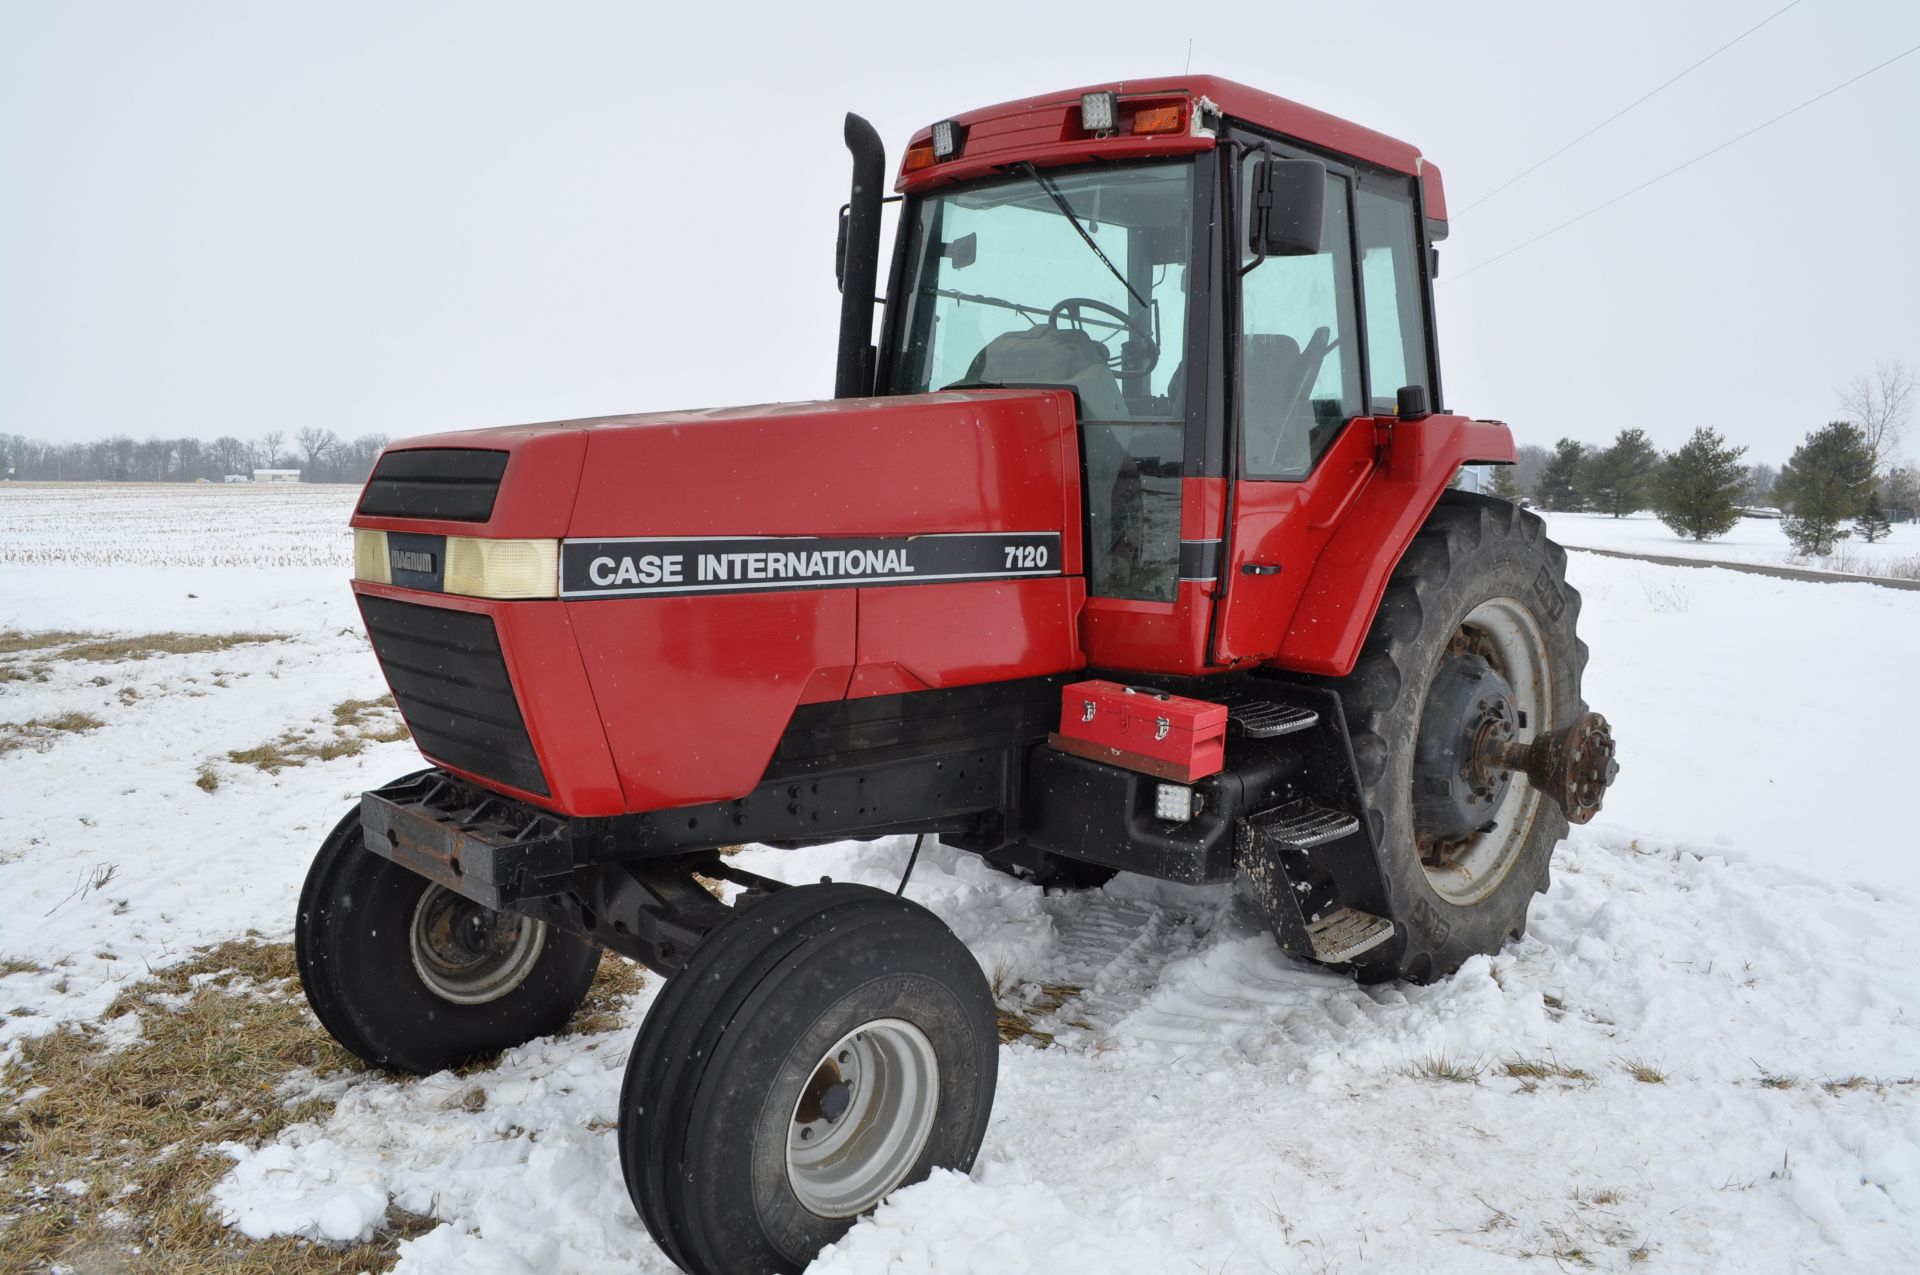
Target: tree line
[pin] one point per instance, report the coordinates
(320, 455)
(1844, 472)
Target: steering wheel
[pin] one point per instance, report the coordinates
(1138, 354)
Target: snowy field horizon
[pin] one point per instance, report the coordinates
(1703, 1056)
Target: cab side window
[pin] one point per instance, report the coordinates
(1390, 280)
(1300, 357)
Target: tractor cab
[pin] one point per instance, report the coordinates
(1236, 289)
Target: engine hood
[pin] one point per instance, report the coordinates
(974, 460)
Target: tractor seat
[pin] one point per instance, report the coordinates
(1278, 419)
(1052, 356)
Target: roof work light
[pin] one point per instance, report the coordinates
(1099, 111)
(948, 137)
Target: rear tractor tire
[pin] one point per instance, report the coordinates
(1476, 631)
(827, 1046)
(412, 977)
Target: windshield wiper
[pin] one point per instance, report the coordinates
(1060, 202)
(980, 298)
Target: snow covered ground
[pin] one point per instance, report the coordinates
(1741, 927)
(1752, 540)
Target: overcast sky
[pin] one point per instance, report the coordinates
(399, 218)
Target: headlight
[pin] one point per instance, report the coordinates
(470, 565)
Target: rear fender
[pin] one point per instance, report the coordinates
(1349, 578)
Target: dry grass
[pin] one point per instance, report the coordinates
(14, 965)
(371, 719)
(1542, 1069)
(1770, 1081)
(1644, 1072)
(208, 780)
(1020, 1007)
(614, 983)
(1446, 1068)
(147, 645)
(14, 641)
(356, 724)
(44, 730)
(138, 1126)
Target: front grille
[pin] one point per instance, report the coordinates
(456, 484)
(451, 684)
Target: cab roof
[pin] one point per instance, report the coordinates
(1046, 130)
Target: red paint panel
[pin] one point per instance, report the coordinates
(1433, 191)
(918, 637)
(536, 491)
(1285, 525)
(1337, 537)
(556, 701)
(1120, 633)
(695, 691)
(977, 460)
(1045, 130)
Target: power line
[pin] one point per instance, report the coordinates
(1628, 107)
(1652, 181)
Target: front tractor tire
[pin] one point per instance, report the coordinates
(412, 977)
(827, 1046)
(1476, 631)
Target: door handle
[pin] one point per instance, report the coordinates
(1260, 568)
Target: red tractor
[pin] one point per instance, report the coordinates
(1128, 546)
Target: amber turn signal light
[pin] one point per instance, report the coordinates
(1160, 119)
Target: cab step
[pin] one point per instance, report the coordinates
(1301, 825)
(1347, 933)
(1262, 719)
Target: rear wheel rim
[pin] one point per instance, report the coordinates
(469, 954)
(863, 1118)
(1504, 631)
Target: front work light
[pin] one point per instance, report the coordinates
(1099, 112)
(1176, 803)
(948, 137)
(470, 565)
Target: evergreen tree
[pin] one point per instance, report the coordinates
(1619, 479)
(1698, 490)
(1872, 523)
(1823, 485)
(1505, 485)
(1559, 485)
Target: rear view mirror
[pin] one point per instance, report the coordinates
(962, 251)
(1286, 207)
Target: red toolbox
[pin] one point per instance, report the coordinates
(1154, 732)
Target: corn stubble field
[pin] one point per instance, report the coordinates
(175, 525)
(1703, 1056)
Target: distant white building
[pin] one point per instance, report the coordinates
(235, 478)
(276, 475)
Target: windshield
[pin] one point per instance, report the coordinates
(1076, 279)
(1054, 278)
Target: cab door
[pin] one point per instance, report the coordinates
(1321, 346)
(1296, 386)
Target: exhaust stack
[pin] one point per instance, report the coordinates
(853, 376)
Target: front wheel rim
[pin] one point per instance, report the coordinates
(863, 1117)
(469, 954)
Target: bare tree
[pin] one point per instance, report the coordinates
(318, 444)
(270, 444)
(1880, 405)
(1760, 481)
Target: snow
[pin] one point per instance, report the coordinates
(1758, 540)
(1746, 909)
